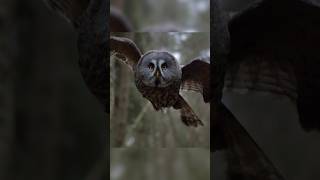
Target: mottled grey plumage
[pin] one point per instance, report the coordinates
(159, 77)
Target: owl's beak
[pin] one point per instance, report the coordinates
(158, 73)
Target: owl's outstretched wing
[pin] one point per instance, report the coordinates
(90, 20)
(274, 47)
(125, 49)
(196, 77)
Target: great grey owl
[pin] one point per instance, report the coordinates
(159, 77)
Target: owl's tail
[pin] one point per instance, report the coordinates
(188, 117)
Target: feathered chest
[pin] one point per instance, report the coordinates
(160, 97)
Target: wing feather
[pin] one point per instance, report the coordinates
(125, 49)
(196, 77)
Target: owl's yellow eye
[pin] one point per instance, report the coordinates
(164, 66)
(151, 66)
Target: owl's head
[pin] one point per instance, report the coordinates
(158, 69)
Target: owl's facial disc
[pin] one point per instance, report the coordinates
(158, 69)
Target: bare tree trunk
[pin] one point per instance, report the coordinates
(120, 108)
(121, 100)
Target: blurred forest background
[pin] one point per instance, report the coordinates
(160, 164)
(134, 122)
(186, 15)
(51, 127)
(273, 122)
